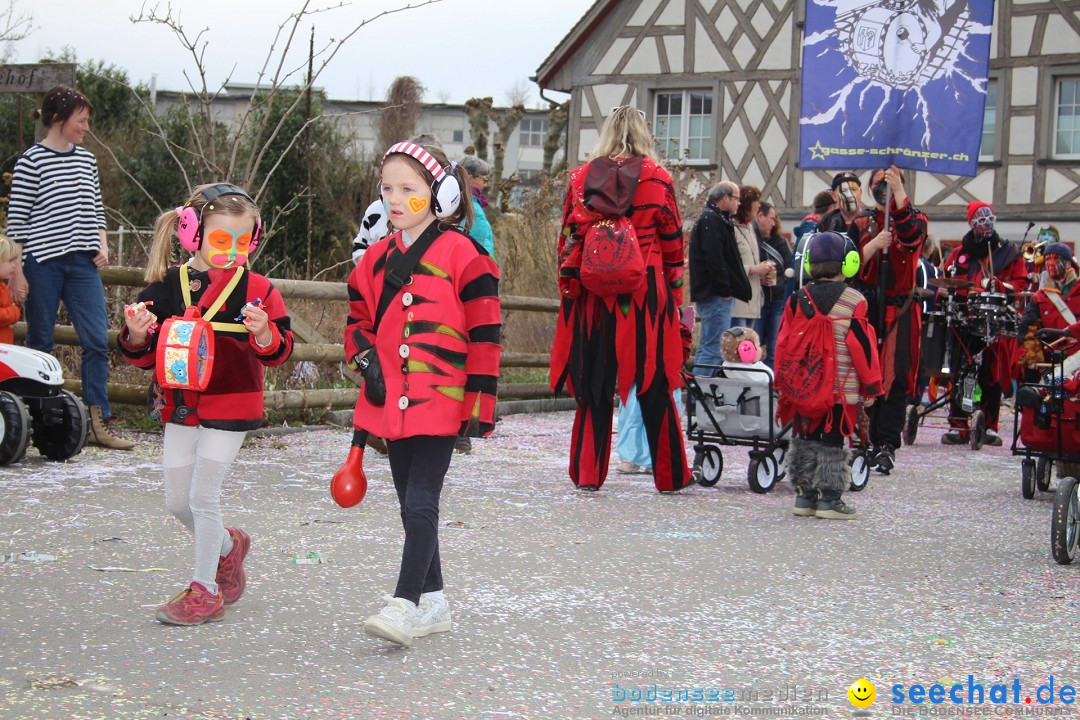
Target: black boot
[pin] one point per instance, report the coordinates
(885, 460)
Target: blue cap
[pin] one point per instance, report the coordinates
(1060, 249)
(828, 246)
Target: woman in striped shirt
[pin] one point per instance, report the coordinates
(57, 218)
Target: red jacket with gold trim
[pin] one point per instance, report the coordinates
(438, 342)
(234, 398)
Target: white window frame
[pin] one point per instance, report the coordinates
(684, 123)
(526, 135)
(1075, 155)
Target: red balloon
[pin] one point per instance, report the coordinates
(350, 484)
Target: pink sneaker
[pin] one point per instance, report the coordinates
(231, 578)
(193, 606)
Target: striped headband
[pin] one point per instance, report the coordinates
(421, 155)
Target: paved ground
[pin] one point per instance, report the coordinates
(562, 600)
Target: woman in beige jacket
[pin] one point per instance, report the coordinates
(746, 314)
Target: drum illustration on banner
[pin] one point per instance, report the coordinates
(866, 65)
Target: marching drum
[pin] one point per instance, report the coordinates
(989, 315)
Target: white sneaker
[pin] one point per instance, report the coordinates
(394, 622)
(627, 468)
(433, 616)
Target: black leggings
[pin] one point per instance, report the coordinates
(418, 465)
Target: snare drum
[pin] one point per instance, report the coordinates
(987, 314)
(934, 332)
(185, 352)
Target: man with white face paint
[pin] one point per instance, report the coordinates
(847, 192)
(996, 267)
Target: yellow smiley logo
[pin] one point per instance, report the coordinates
(862, 693)
(417, 204)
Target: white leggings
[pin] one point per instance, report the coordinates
(195, 460)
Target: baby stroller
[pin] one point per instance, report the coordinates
(1047, 423)
(737, 407)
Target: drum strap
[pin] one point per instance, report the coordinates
(1062, 308)
(185, 289)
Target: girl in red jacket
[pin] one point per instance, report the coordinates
(221, 227)
(428, 344)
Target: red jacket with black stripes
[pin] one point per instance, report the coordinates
(234, 398)
(438, 342)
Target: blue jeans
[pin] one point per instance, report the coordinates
(74, 279)
(715, 314)
(768, 325)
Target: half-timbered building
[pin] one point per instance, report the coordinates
(719, 81)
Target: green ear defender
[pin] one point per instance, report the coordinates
(850, 265)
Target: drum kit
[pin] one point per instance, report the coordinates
(982, 316)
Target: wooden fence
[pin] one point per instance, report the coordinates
(312, 346)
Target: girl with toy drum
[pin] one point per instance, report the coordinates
(208, 328)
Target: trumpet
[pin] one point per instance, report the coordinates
(1033, 251)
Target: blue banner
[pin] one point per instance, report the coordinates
(894, 82)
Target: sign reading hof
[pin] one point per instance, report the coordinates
(894, 81)
(35, 78)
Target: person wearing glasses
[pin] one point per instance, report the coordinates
(996, 266)
(717, 277)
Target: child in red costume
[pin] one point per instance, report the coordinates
(9, 311)
(220, 226)
(428, 343)
(605, 345)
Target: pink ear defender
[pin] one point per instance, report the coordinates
(747, 352)
(189, 225)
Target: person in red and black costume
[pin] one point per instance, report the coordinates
(994, 266)
(1056, 306)
(220, 226)
(424, 329)
(890, 261)
(605, 345)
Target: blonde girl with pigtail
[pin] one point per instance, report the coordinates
(211, 300)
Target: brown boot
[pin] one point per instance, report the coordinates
(100, 435)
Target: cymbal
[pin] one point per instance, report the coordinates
(950, 283)
(924, 293)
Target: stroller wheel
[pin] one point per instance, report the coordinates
(779, 454)
(14, 428)
(911, 425)
(762, 474)
(708, 466)
(1027, 478)
(860, 471)
(978, 430)
(1065, 524)
(1044, 469)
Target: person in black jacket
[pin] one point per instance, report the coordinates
(717, 277)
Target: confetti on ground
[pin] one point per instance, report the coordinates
(564, 598)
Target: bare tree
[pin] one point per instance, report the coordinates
(401, 112)
(444, 96)
(240, 157)
(557, 117)
(519, 93)
(479, 112)
(14, 26)
(506, 120)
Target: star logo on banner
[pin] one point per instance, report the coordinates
(817, 152)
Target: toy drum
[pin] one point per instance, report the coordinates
(934, 332)
(185, 352)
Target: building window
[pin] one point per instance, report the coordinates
(1067, 119)
(682, 125)
(459, 136)
(988, 148)
(533, 132)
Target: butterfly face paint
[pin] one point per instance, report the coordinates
(224, 247)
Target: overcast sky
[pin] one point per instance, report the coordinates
(457, 48)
